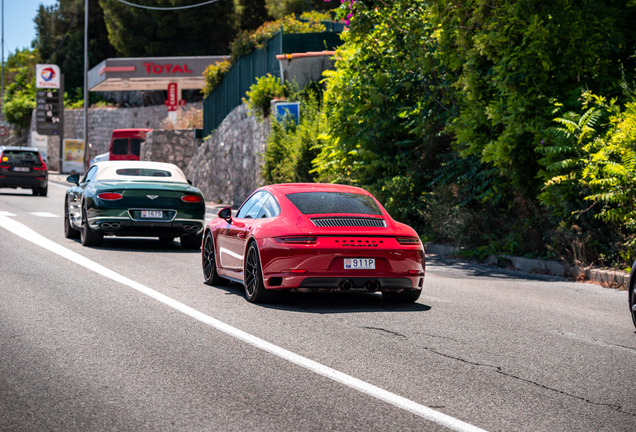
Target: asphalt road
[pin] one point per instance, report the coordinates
(82, 349)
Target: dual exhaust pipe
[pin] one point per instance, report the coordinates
(190, 227)
(371, 285)
(109, 225)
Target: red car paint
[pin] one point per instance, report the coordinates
(126, 143)
(319, 264)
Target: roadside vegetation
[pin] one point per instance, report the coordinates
(504, 128)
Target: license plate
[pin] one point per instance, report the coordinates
(21, 169)
(151, 214)
(359, 263)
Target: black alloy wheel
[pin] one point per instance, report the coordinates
(208, 258)
(632, 301)
(69, 231)
(255, 291)
(405, 296)
(89, 237)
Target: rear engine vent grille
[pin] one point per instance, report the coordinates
(349, 222)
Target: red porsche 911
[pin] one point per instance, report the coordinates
(313, 237)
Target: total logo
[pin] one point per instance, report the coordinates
(47, 76)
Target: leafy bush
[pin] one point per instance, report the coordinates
(260, 94)
(291, 148)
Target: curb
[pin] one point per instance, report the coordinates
(554, 268)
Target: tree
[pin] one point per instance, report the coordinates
(281, 8)
(61, 27)
(19, 100)
(136, 32)
(251, 14)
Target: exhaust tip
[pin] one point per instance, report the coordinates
(346, 285)
(372, 285)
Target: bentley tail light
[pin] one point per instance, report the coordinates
(408, 240)
(296, 240)
(193, 199)
(109, 196)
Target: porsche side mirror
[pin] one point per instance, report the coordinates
(73, 178)
(226, 213)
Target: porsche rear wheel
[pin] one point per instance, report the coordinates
(208, 258)
(87, 235)
(69, 231)
(255, 291)
(406, 296)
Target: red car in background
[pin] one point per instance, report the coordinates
(313, 237)
(125, 144)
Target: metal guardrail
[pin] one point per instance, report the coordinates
(229, 94)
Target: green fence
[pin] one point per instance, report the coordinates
(229, 94)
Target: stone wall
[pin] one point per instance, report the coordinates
(227, 166)
(101, 122)
(175, 146)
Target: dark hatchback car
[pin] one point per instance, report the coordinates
(23, 167)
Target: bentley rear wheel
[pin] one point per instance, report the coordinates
(87, 235)
(191, 241)
(632, 302)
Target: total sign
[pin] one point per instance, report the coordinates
(47, 76)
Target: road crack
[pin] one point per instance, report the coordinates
(499, 370)
(386, 331)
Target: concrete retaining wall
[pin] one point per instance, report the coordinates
(227, 166)
(101, 122)
(176, 146)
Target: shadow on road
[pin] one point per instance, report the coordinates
(330, 303)
(148, 245)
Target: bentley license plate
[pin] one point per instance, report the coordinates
(359, 263)
(21, 169)
(151, 214)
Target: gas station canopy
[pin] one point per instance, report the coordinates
(150, 73)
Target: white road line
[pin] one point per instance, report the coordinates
(44, 214)
(349, 381)
(6, 213)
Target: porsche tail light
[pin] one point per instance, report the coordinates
(408, 240)
(296, 240)
(109, 196)
(192, 199)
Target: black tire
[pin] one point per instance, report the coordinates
(69, 231)
(192, 242)
(166, 239)
(35, 191)
(255, 291)
(632, 302)
(44, 191)
(406, 296)
(89, 237)
(208, 261)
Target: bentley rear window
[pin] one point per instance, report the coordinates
(144, 172)
(334, 202)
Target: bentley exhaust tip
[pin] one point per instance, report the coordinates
(372, 285)
(346, 285)
(108, 225)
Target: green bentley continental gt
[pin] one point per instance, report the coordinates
(134, 198)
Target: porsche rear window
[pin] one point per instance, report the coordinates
(144, 172)
(19, 156)
(334, 202)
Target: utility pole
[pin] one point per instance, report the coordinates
(2, 85)
(85, 80)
